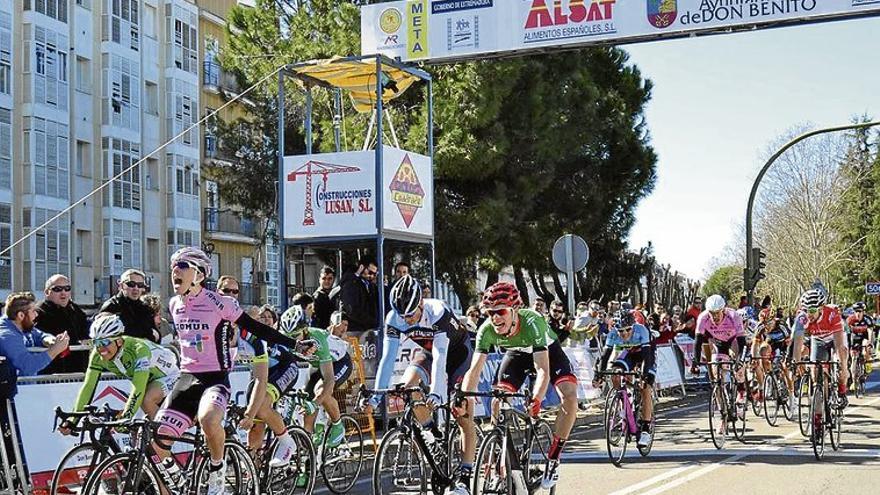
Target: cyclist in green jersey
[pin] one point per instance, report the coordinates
(528, 344)
(152, 369)
(330, 365)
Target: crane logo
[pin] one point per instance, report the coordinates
(406, 191)
(335, 202)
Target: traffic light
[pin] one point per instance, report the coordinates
(758, 265)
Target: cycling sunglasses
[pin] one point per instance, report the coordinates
(102, 342)
(181, 265)
(499, 312)
(230, 291)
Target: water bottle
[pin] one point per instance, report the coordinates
(319, 432)
(172, 470)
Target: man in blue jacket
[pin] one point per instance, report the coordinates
(17, 333)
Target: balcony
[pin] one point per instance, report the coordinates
(229, 222)
(214, 78)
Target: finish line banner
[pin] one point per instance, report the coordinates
(453, 29)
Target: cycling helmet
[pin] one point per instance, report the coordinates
(624, 319)
(813, 299)
(715, 303)
(195, 258)
(406, 296)
(106, 327)
(293, 322)
(744, 314)
(502, 295)
(859, 306)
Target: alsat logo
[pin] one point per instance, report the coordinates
(406, 191)
(662, 13)
(111, 391)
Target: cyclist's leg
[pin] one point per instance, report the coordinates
(309, 419)
(512, 373)
(155, 395)
(212, 408)
(758, 349)
(419, 371)
(341, 373)
(562, 377)
(177, 412)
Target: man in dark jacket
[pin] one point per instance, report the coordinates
(56, 314)
(360, 296)
(136, 316)
(324, 305)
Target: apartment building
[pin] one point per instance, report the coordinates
(88, 88)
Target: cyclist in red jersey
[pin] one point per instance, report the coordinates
(824, 325)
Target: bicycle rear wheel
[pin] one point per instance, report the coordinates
(341, 464)
(298, 476)
(116, 476)
(718, 416)
(491, 474)
(616, 429)
(835, 420)
(399, 467)
(73, 470)
(241, 474)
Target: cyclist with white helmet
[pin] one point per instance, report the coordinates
(721, 327)
(444, 356)
(203, 321)
(152, 369)
(330, 366)
(824, 325)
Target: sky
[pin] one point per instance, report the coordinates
(718, 101)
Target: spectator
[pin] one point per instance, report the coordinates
(586, 326)
(56, 314)
(17, 333)
(307, 303)
(359, 296)
(267, 316)
(540, 306)
(473, 318)
(689, 319)
(324, 305)
(667, 331)
(426, 289)
(228, 286)
(639, 314)
(167, 335)
(559, 322)
(338, 324)
(743, 302)
(138, 319)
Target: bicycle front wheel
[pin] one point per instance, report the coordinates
(771, 400)
(341, 463)
(73, 470)
(718, 416)
(240, 477)
(491, 473)
(539, 451)
(399, 467)
(834, 420)
(817, 419)
(616, 429)
(804, 393)
(117, 475)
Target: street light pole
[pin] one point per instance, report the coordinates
(749, 268)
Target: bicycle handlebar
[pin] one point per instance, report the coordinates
(94, 417)
(617, 373)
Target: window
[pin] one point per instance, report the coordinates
(83, 159)
(120, 23)
(151, 98)
(46, 150)
(118, 157)
(180, 238)
(184, 43)
(5, 242)
(154, 263)
(122, 246)
(86, 4)
(49, 82)
(182, 111)
(84, 75)
(149, 21)
(56, 9)
(152, 179)
(5, 53)
(183, 190)
(51, 247)
(121, 95)
(83, 248)
(5, 148)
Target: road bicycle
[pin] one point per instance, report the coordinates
(623, 408)
(776, 393)
(825, 413)
(96, 443)
(726, 412)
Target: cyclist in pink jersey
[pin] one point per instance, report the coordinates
(722, 327)
(203, 321)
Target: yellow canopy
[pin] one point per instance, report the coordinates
(358, 77)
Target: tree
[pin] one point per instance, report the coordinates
(726, 281)
(526, 149)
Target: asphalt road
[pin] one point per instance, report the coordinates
(771, 460)
(684, 460)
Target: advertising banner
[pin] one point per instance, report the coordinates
(451, 29)
(669, 372)
(333, 194)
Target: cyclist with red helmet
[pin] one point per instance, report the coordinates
(203, 320)
(528, 344)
